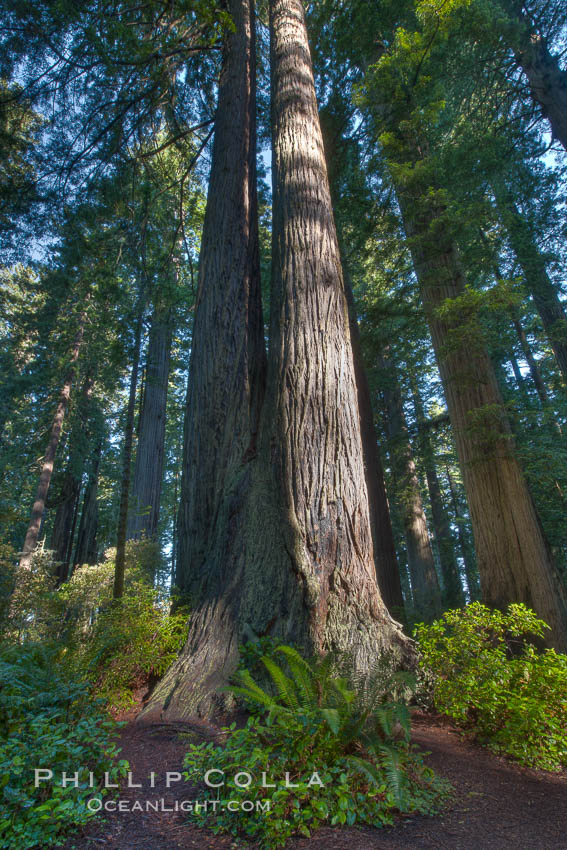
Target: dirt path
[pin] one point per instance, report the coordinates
(496, 805)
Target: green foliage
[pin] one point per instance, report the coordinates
(251, 659)
(7, 581)
(252, 652)
(31, 612)
(117, 647)
(489, 678)
(48, 720)
(55, 696)
(345, 750)
(19, 129)
(134, 640)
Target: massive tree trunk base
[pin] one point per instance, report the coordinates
(195, 684)
(261, 583)
(287, 550)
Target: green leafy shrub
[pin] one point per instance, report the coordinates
(132, 642)
(117, 647)
(48, 720)
(30, 611)
(252, 653)
(347, 757)
(489, 678)
(64, 646)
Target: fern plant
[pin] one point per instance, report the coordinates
(313, 719)
(354, 712)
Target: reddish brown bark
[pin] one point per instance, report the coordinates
(38, 508)
(424, 582)
(144, 507)
(290, 553)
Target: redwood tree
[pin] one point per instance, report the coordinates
(453, 596)
(225, 390)
(286, 546)
(424, 581)
(32, 534)
(534, 270)
(86, 551)
(144, 507)
(514, 559)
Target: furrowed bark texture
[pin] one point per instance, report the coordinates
(143, 514)
(312, 423)
(514, 560)
(290, 550)
(227, 367)
(424, 582)
(225, 394)
(385, 557)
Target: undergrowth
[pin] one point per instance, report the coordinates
(337, 752)
(488, 675)
(70, 660)
(48, 721)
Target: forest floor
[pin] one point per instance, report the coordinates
(496, 805)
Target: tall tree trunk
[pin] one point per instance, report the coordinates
(385, 558)
(225, 392)
(291, 550)
(453, 595)
(546, 80)
(65, 516)
(541, 389)
(86, 550)
(534, 270)
(421, 564)
(119, 567)
(63, 523)
(514, 560)
(227, 369)
(467, 554)
(32, 534)
(143, 517)
(311, 434)
(71, 541)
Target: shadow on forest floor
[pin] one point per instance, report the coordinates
(497, 805)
